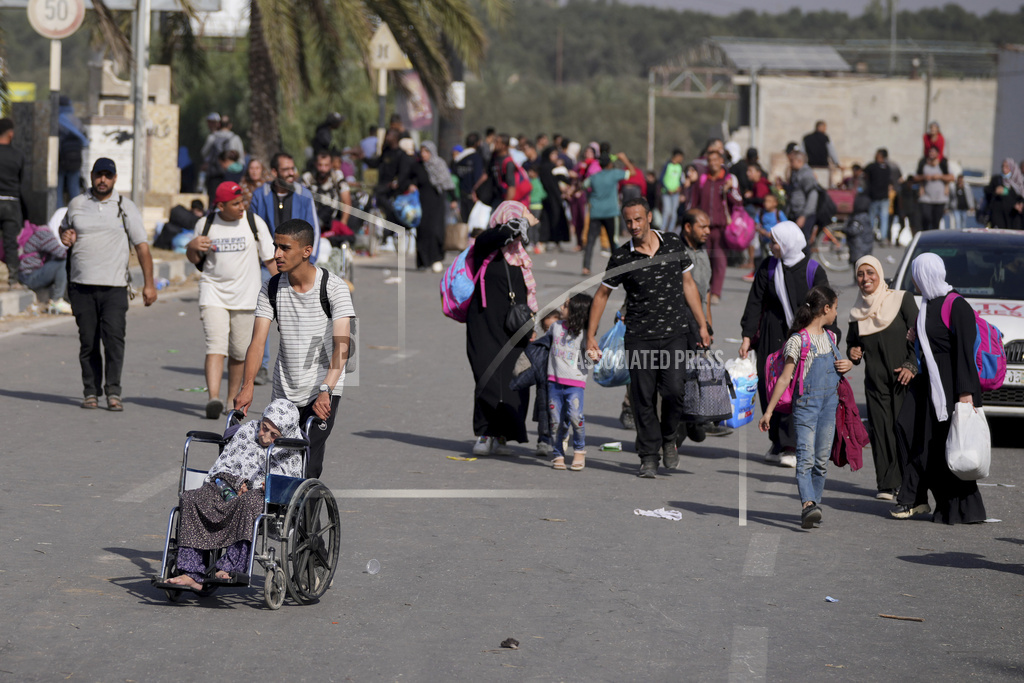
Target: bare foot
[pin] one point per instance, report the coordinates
(186, 581)
(222, 575)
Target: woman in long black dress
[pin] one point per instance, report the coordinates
(554, 210)
(499, 414)
(948, 374)
(1002, 195)
(879, 323)
(437, 189)
(768, 316)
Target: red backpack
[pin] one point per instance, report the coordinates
(523, 184)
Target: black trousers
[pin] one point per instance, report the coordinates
(11, 224)
(656, 367)
(100, 313)
(594, 238)
(931, 215)
(317, 436)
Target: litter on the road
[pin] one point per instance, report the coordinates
(552, 263)
(898, 618)
(674, 515)
(393, 280)
(1008, 486)
(372, 567)
(460, 458)
(181, 314)
(195, 389)
(829, 598)
(172, 350)
(992, 520)
(510, 643)
(612, 446)
(551, 519)
(733, 340)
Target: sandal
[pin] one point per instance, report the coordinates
(579, 461)
(114, 404)
(558, 464)
(90, 403)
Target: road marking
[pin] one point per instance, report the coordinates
(761, 555)
(742, 508)
(152, 487)
(749, 654)
(399, 357)
(449, 493)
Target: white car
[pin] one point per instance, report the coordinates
(987, 268)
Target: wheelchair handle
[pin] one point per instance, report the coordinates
(313, 419)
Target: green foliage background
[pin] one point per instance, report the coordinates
(607, 49)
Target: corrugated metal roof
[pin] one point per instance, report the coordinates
(780, 57)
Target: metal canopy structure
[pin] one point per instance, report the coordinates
(717, 68)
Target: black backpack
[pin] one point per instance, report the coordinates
(206, 231)
(826, 209)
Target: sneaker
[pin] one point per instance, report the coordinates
(771, 457)
(544, 450)
(810, 516)
(626, 418)
(59, 307)
(213, 409)
(482, 446)
(749, 277)
(788, 460)
(669, 455)
(648, 467)
(499, 447)
(437, 267)
(908, 511)
(885, 495)
(262, 377)
(717, 430)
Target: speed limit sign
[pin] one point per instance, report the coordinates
(56, 19)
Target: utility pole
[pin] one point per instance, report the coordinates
(140, 97)
(892, 37)
(559, 51)
(650, 119)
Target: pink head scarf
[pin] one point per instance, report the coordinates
(515, 254)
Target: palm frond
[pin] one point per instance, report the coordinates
(110, 31)
(282, 43)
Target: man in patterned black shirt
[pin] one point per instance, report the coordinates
(655, 271)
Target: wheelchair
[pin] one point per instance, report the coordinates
(296, 541)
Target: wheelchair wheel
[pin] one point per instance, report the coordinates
(274, 588)
(831, 249)
(313, 541)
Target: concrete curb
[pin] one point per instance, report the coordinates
(12, 303)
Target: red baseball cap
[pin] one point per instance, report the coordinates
(227, 191)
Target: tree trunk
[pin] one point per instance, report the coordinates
(450, 131)
(264, 130)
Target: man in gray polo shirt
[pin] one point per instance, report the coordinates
(99, 229)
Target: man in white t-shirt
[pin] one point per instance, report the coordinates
(314, 319)
(228, 250)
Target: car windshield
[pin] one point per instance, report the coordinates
(990, 268)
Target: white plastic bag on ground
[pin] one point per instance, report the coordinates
(479, 217)
(969, 445)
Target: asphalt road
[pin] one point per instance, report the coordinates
(474, 552)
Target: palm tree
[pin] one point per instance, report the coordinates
(280, 29)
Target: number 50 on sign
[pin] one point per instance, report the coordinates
(56, 19)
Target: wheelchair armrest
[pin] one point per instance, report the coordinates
(291, 443)
(211, 437)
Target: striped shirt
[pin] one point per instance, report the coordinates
(307, 340)
(821, 345)
(41, 247)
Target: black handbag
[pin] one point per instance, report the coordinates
(519, 315)
(708, 392)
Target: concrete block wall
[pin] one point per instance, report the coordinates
(865, 113)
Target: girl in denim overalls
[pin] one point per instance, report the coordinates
(814, 410)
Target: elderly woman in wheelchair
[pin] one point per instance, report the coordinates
(221, 513)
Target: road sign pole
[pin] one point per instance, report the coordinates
(140, 99)
(382, 107)
(52, 141)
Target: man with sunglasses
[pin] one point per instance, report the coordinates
(100, 229)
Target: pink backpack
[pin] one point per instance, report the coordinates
(776, 362)
(458, 284)
(989, 355)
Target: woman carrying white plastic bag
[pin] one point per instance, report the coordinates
(969, 446)
(948, 378)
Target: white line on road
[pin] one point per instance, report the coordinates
(152, 487)
(449, 493)
(761, 555)
(743, 477)
(749, 654)
(399, 357)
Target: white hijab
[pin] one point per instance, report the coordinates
(930, 277)
(791, 240)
